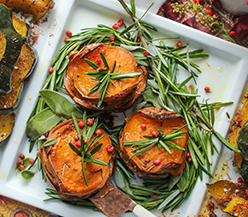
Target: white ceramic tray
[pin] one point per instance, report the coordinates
(74, 15)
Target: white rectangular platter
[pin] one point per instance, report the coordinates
(73, 15)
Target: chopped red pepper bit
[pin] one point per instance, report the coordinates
(179, 44)
(239, 120)
(155, 133)
(210, 12)
(50, 69)
(81, 124)
(197, 1)
(21, 167)
(68, 33)
(239, 112)
(143, 126)
(110, 148)
(207, 89)
(112, 38)
(86, 140)
(66, 39)
(31, 160)
(188, 155)
(90, 121)
(98, 131)
(154, 196)
(211, 204)
(115, 26)
(232, 33)
(78, 143)
(145, 53)
(191, 86)
(120, 22)
(98, 61)
(246, 191)
(240, 180)
(189, 159)
(157, 162)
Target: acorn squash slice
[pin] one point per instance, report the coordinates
(17, 58)
(6, 125)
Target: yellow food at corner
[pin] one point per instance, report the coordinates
(6, 124)
(237, 207)
(37, 8)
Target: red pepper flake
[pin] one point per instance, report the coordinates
(120, 22)
(240, 180)
(210, 12)
(188, 155)
(145, 53)
(179, 44)
(90, 121)
(50, 69)
(246, 191)
(154, 196)
(157, 162)
(189, 159)
(22, 156)
(239, 112)
(21, 167)
(207, 89)
(78, 144)
(197, 1)
(112, 38)
(98, 61)
(155, 133)
(31, 160)
(110, 148)
(98, 131)
(143, 126)
(191, 86)
(211, 204)
(232, 33)
(86, 140)
(81, 124)
(68, 33)
(239, 120)
(66, 39)
(115, 26)
(246, 95)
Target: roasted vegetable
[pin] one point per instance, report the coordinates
(121, 94)
(6, 125)
(235, 128)
(18, 59)
(37, 8)
(62, 166)
(230, 195)
(155, 161)
(242, 141)
(244, 170)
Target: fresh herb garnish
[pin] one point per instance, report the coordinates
(104, 76)
(83, 151)
(161, 140)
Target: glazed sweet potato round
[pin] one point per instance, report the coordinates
(155, 161)
(63, 167)
(121, 94)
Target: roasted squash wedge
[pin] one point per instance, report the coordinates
(153, 119)
(121, 95)
(36, 8)
(6, 125)
(63, 168)
(237, 207)
(17, 58)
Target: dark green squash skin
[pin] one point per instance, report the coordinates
(244, 171)
(14, 43)
(242, 141)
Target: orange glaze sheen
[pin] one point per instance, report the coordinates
(169, 162)
(66, 164)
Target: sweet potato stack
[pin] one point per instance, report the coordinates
(153, 119)
(121, 95)
(63, 168)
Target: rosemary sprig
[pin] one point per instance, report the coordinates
(161, 140)
(104, 76)
(85, 146)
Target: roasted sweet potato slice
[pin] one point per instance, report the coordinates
(6, 125)
(121, 95)
(154, 119)
(63, 167)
